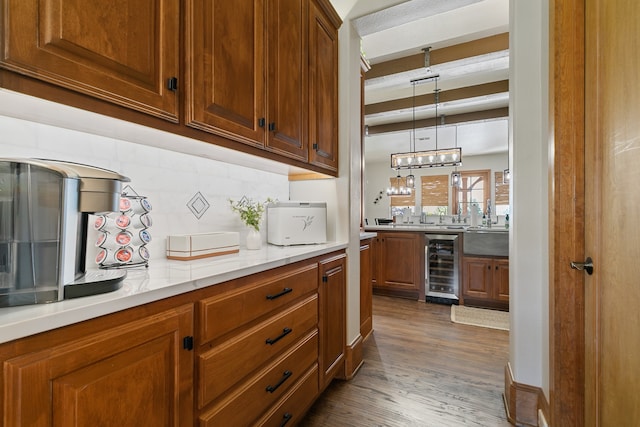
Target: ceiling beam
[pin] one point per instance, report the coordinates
(496, 43)
(497, 113)
(445, 96)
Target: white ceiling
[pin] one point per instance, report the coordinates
(395, 29)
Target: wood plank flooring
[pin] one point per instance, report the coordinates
(420, 370)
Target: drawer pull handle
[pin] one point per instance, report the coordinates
(285, 419)
(285, 332)
(285, 376)
(279, 294)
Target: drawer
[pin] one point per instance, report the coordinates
(223, 313)
(252, 399)
(230, 362)
(295, 404)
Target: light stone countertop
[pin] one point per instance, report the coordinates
(162, 279)
(367, 235)
(430, 228)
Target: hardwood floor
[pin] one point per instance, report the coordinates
(420, 370)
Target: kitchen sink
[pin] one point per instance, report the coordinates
(486, 243)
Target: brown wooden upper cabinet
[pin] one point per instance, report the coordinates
(253, 75)
(125, 52)
(259, 72)
(248, 72)
(323, 90)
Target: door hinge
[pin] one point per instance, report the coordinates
(172, 84)
(187, 343)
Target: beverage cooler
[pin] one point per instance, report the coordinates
(442, 269)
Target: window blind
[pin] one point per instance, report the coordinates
(502, 190)
(435, 190)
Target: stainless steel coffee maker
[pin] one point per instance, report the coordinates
(44, 214)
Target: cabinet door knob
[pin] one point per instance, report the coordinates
(272, 126)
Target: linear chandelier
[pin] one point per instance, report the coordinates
(429, 158)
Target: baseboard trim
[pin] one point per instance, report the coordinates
(522, 401)
(353, 358)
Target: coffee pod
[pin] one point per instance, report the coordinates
(134, 205)
(111, 221)
(141, 238)
(107, 257)
(141, 221)
(140, 255)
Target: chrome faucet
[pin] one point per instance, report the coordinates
(488, 213)
(459, 213)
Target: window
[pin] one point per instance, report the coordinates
(435, 194)
(502, 195)
(474, 189)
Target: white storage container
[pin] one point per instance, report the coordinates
(296, 223)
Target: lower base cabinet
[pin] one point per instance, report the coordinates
(332, 318)
(398, 264)
(366, 288)
(134, 374)
(486, 282)
(253, 351)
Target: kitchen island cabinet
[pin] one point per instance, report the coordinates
(398, 264)
(254, 349)
(486, 282)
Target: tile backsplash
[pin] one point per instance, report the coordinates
(168, 179)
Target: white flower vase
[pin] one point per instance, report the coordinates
(254, 240)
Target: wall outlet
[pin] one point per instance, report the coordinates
(542, 421)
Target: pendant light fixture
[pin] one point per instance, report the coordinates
(398, 189)
(456, 177)
(429, 158)
(506, 174)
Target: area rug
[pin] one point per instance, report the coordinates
(485, 318)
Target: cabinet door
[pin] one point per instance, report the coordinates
(132, 375)
(478, 275)
(122, 51)
(366, 309)
(501, 280)
(401, 264)
(287, 78)
(332, 322)
(323, 90)
(225, 70)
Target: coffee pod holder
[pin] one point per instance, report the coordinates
(123, 236)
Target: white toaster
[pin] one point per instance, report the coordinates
(296, 223)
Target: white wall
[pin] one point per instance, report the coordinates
(377, 179)
(529, 267)
(168, 178)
